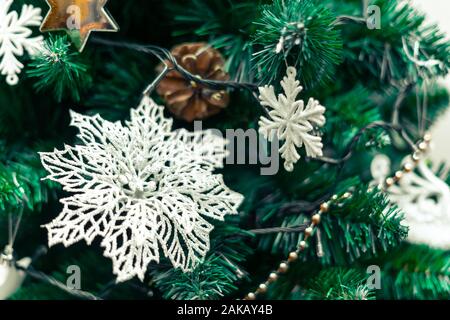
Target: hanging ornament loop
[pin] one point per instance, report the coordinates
(7, 256)
(15, 219)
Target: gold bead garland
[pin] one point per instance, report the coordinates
(293, 256)
(324, 207)
(408, 167)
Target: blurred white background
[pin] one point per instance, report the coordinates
(438, 11)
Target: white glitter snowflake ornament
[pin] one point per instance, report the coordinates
(142, 188)
(15, 38)
(290, 121)
(424, 199)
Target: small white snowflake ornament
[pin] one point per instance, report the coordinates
(142, 188)
(15, 38)
(290, 121)
(424, 199)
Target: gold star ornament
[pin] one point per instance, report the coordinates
(78, 18)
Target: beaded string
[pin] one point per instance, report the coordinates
(293, 256)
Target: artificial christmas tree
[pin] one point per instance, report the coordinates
(178, 221)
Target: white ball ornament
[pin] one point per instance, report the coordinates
(11, 278)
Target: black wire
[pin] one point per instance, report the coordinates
(41, 276)
(166, 57)
(30, 271)
(293, 229)
(351, 146)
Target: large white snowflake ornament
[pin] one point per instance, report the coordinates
(290, 121)
(142, 188)
(15, 38)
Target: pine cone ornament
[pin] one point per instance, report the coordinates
(186, 99)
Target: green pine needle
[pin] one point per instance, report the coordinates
(60, 69)
(340, 284)
(415, 272)
(214, 278)
(381, 53)
(21, 184)
(362, 226)
(311, 42)
(226, 25)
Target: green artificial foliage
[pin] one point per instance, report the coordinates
(114, 98)
(226, 25)
(361, 227)
(61, 69)
(21, 185)
(415, 272)
(378, 91)
(381, 53)
(300, 34)
(95, 279)
(10, 191)
(340, 284)
(355, 228)
(214, 278)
